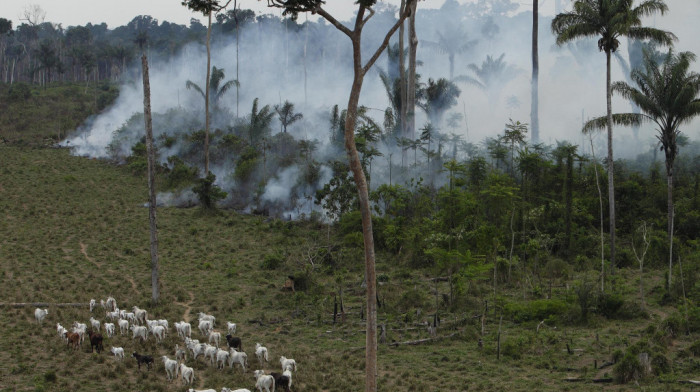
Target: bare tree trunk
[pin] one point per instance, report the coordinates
(602, 236)
(534, 102)
(362, 190)
(411, 99)
(402, 77)
(611, 182)
(151, 180)
(669, 180)
(206, 101)
(238, 37)
(359, 72)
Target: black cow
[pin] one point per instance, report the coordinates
(281, 380)
(147, 359)
(235, 342)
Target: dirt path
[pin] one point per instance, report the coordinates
(133, 284)
(83, 250)
(187, 306)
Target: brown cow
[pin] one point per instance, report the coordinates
(74, 339)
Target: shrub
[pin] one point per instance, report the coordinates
(540, 309)
(180, 174)
(303, 281)
(208, 192)
(272, 261)
(695, 349)
(627, 369)
(513, 349)
(660, 364)
(609, 304)
(19, 92)
(411, 299)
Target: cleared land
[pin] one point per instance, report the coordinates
(74, 229)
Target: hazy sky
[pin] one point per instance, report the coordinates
(117, 13)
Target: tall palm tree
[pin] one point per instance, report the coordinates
(610, 20)
(669, 96)
(440, 96)
(493, 74)
(216, 89)
(534, 82)
(206, 7)
(453, 40)
(286, 115)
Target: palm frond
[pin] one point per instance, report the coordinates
(195, 87)
(623, 119)
(649, 33)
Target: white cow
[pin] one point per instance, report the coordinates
(264, 381)
(40, 314)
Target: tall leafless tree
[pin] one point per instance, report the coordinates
(360, 69)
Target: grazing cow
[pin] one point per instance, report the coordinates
(109, 329)
(140, 315)
(214, 337)
(118, 352)
(139, 332)
(288, 363)
(240, 358)
(95, 341)
(159, 333)
(73, 338)
(234, 342)
(123, 326)
(111, 303)
(95, 324)
(187, 373)
(180, 353)
(39, 314)
(171, 368)
(263, 380)
(205, 326)
(184, 329)
(147, 359)
(281, 381)
(261, 353)
(221, 358)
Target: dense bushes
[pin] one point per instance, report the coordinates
(541, 309)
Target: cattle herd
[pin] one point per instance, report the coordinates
(142, 327)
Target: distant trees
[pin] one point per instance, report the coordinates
(610, 20)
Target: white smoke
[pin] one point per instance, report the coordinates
(272, 66)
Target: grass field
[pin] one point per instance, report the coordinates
(74, 229)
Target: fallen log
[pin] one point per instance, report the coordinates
(41, 304)
(420, 341)
(602, 380)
